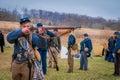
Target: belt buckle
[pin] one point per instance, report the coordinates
(19, 56)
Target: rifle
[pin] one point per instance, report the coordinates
(57, 49)
(50, 28)
(64, 33)
(69, 29)
(33, 58)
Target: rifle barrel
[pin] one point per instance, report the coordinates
(62, 28)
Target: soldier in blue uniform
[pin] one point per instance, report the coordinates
(22, 68)
(85, 51)
(116, 54)
(111, 45)
(71, 42)
(43, 35)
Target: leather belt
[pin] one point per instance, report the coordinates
(20, 62)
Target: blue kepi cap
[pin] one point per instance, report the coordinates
(25, 19)
(39, 25)
(85, 34)
(116, 33)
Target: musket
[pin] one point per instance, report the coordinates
(64, 33)
(61, 28)
(69, 29)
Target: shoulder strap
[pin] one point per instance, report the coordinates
(35, 52)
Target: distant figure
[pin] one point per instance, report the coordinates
(2, 42)
(105, 51)
(111, 45)
(116, 54)
(85, 51)
(71, 42)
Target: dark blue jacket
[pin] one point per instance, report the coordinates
(13, 39)
(2, 42)
(111, 44)
(44, 42)
(86, 43)
(117, 45)
(59, 43)
(71, 40)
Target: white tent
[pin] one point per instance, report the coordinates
(64, 53)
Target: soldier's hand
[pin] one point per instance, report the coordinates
(88, 54)
(25, 30)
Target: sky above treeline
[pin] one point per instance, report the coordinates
(108, 9)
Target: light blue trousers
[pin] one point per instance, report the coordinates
(83, 61)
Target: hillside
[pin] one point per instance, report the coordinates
(59, 19)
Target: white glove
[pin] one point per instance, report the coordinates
(113, 55)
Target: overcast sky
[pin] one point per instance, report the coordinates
(108, 9)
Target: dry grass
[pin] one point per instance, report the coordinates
(99, 37)
(5, 63)
(9, 25)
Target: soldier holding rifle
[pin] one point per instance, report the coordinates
(53, 49)
(43, 35)
(22, 67)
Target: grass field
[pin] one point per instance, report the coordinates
(98, 69)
